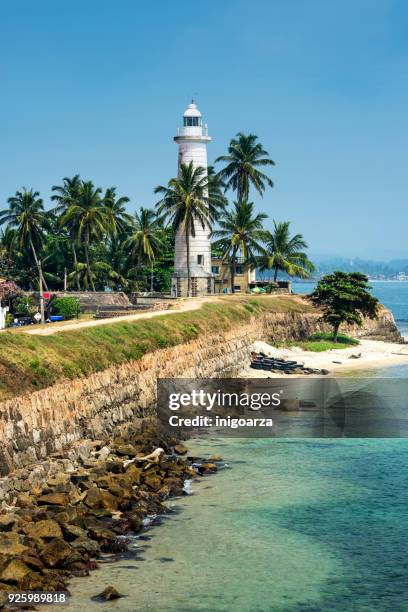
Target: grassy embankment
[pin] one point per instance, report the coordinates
(30, 362)
(320, 342)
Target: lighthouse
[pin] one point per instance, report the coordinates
(192, 139)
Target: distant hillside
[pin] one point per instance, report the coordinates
(374, 269)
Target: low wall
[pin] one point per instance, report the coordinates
(90, 301)
(112, 402)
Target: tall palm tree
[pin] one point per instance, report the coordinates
(146, 239)
(185, 203)
(217, 202)
(26, 214)
(118, 218)
(89, 217)
(286, 252)
(64, 195)
(241, 234)
(245, 158)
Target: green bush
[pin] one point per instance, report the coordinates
(68, 307)
(9, 319)
(25, 306)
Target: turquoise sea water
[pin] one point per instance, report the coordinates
(289, 525)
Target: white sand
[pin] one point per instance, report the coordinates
(374, 354)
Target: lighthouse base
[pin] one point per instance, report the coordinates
(202, 284)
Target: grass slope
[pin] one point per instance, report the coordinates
(320, 342)
(29, 362)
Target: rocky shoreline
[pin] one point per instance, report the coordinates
(61, 529)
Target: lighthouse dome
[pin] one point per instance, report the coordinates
(192, 110)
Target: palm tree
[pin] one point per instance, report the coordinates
(26, 214)
(64, 196)
(146, 239)
(245, 157)
(241, 233)
(118, 218)
(217, 201)
(89, 217)
(184, 203)
(286, 253)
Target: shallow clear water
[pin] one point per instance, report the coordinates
(293, 525)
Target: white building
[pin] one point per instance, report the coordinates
(192, 140)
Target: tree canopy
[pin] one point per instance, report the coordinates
(344, 297)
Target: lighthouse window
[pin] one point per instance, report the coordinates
(200, 260)
(192, 121)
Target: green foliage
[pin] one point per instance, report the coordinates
(25, 306)
(9, 319)
(321, 342)
(89, 238)
(240, 236)
(68, 307)
(344, 298)
(245, 158)
(285, 252)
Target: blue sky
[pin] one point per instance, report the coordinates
(98, 87)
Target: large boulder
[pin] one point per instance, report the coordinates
(72, 532)
(85, 544)
(43, 529)
(180, 449)
(126, 450)
(152, 481)
(99, 498)
(58, 552)
(14, 571)
(108, 594)
(7, 521)
(11, 544)
(53, 499)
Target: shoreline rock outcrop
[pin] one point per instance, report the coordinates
(61, 528)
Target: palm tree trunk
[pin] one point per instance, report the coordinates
(75, 265)
(275, 276)
(37, 263)
(335, 331)
(233, 274)
(151, 278)
(88, 265)
(188, 263)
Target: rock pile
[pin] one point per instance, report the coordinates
(60, 529)
(260, 361)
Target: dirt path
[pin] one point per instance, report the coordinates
(53, 328)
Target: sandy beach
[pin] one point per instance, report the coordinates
(372, 354)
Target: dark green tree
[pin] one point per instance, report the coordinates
(64, 195)
(146, 239)
(286, 252)
(244, 164)
(240, 235)
(89, 219)
(344, 298)
(26, 215)
(117, 217)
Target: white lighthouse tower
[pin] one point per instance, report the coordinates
(192, 140)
